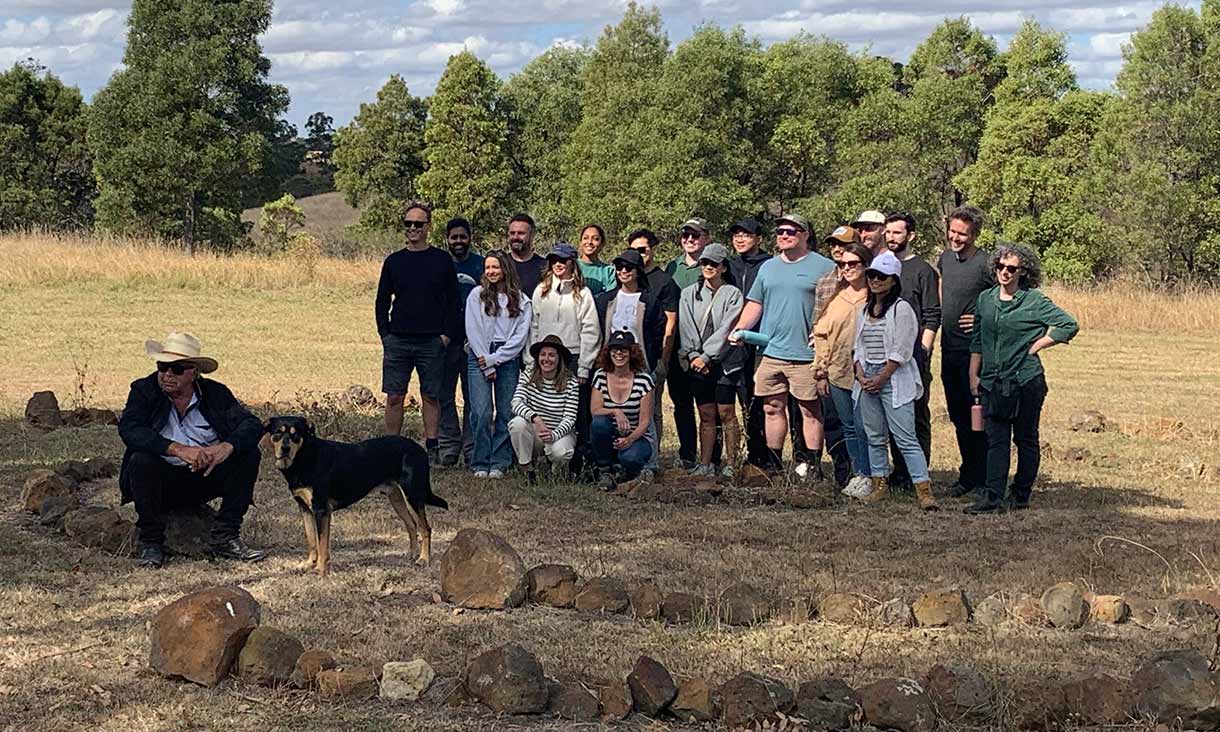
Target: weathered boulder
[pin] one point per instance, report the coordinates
(1028, 609)
(1143, 611)
(616, 700)
(840, 607)
(1087, 421)
(646, 598)
(1098, 699)
(42, 411)
(960, 693)
(991, 611)
(88, 469)
(268, 656)
(939, 608)
(1110, 609)
(572, 701)
(552, 584)
(682, 607)
(44, 484)
(310, 663)
(695, 702)
(895, 613)
(405, 680)
(198, 636)
(100, 528)
(1177, 685)
(1042, 706)
(480, 570)
(743, 604)
(507, 680)
(352, 683)
(1064, 605)
(54, 508)
(602, 595)
(900, 704)
(827, 703)
(750, 698)
(652, 688)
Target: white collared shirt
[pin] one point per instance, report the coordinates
(190, 429)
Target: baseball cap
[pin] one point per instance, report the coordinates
(748, 225)
(886, 263)
(714, 253)
(630, 257)
(621, 339)
(797, 219)
(870, 217)
(562, 250)
(696, 223)
(843, 235)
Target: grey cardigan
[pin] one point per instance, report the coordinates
(704, 322)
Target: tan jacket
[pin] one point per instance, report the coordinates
(834, 336)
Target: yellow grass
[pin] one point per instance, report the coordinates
(66, 300)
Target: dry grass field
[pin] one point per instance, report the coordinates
(73, 642)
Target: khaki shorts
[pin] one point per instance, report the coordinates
(785, 377)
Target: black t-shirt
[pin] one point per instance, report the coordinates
(664, 289)
(529, 273)
(960, 285)
(921, 288)
(417, 294)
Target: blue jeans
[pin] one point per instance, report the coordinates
(881, 420)
(492, 450)
(602, 433)
(857, 443)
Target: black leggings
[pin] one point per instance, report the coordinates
(1021, 430)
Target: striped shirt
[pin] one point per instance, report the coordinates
(640, 387)
(557, 409)
(873, 335)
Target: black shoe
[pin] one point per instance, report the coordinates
(984, 507)
(236, 549)
(1018, 503)
(532, 477)
(449, 461)
(607, 482)
(151, 555)
(960, 491)
(434, 457)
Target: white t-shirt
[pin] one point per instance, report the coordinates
(625, 304)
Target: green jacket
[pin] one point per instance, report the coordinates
(1005, 329)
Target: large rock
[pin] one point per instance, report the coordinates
(744, 604)
(480, 570)
(991, 611)
(900, 704)
(652, 688)
(1041, 706)
(269, 656)
(1142, 611)
(646, 598)
(353, 683)
(572, 701)
(827, 704)
(44, 484)
(961, 693)
(1064, 605)
(100, 528)
(406, 680)
(939, 608)
(602, 595)
(54, 508)
(750, 698)
(616, 701)
(695, 702)
(311, 663)
(840, 607)
(682, 607)
(1087, 421)
(42, 410)
(198, 636)
(507, 680)
(895, 613)
(1109, 609)
(552, 584)
(1177, 685)
(83, 471)
(1098, 699)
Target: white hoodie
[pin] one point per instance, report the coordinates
(571, 317)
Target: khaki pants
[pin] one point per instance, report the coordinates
(527, 444)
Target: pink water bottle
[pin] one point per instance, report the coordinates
(976, 415)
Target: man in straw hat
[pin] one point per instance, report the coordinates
(188, 441)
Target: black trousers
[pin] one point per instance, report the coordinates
(755, 424)
(1021, 430)
(923, 420)
(955, 376)
(159, 488)
(453, 433)
(680, 393)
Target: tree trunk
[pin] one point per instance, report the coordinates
(188, 227)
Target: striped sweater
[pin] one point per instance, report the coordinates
(557, 409)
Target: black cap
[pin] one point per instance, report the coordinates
(631, 257)
(749, 225)
(621, 339)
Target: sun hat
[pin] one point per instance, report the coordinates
(715, 253)
(551, 341)
(869, 217)
(562, 250)
(181, 347)
(886, 263)
(621, 339)
(797, 219)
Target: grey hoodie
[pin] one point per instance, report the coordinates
(704, 322)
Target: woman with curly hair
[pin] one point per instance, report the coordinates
(1014, 321)
(497, 325)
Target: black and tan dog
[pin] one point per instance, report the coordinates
(325, 476)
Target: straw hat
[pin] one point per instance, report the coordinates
(181, 347)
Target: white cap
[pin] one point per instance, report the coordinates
(886, 263)
(870, 217)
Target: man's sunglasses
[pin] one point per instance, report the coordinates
(177, 368)
(1009, 268)
(690, 234)
(850, 265)
(787, 231)
(416, 224)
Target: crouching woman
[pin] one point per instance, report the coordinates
(621, 405)
(544, 409)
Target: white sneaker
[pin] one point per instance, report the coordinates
(703, 471)
(858, 487)
(801, 470)
(480, 473)
(495, 474)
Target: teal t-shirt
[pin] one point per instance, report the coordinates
(599, 277)
(786, 292)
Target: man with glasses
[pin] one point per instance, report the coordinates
(870, 225)
(188, 441)
(746, 238)
(964, 272)
(526, 262)
(417, 313)
(684, 271)
(665, 294)
(783, 299)
(453, 435)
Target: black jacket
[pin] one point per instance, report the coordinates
(744, 270)
(147, 412)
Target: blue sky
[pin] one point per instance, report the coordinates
(333, 56)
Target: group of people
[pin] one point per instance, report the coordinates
(562, 359)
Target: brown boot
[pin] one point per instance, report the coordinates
(923, 493)
(881, 491)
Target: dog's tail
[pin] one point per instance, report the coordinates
(421, 481)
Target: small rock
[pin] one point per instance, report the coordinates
(1108, 609)
(552, 584)
(101, 528)
(682, 607)
(991, 611)
(895, 613)
(1098, 699)
(827, 704)
(900, 704)
(750, 698)
(1028, 609)
(268, 656)
(445, 691)
(939, 608)
(74, 470)
(616, 701)
(43, 484)
(42, 411)
(572, 701)
(100, 468)
(1109, 461)
(481, 571)
(355, 683)
(960, 693)
(54, 508)
(1076, 454)
(602, 595)
(1142, 611)
(652, 688)
(358, 395)
(309, 664)
(1177, 685)
(842, 608)
(752, 476)
(743, 604)
(1064, 605)
(1088, 421)
(406, 680)
(646, 599)
(508, 680)
(198, 636)
(695, 702)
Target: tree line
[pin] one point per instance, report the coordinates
(634, 130)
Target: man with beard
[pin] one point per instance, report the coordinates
(528, 265)
(870, 225)
(453, 434)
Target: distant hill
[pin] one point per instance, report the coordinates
(326, 215)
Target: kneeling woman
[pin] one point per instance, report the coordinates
(621, 406)
(544, 409)
(1013, 323)
(887, 379)
(497, 325)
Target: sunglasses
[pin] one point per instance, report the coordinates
(553, 260)
(1009, 268)
(873, 274)
(850, 265)
(690, 234)
(787, 231)
(708, 263)
(415, 224)
(177, 368)
(623, 267)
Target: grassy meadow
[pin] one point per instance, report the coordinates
(1137, 515)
